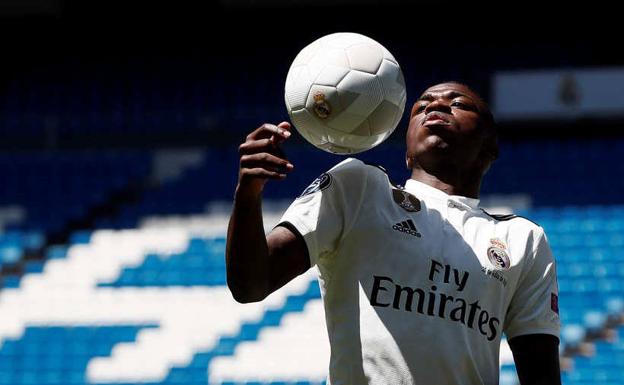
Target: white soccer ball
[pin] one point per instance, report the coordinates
(345, 93)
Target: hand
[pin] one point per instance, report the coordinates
(261, 158)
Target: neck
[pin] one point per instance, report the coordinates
(452, 182)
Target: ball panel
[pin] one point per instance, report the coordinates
(331, 75)
(348, 140)
(392, 82)
(298, 85)
(388, 56)
(346, 97)
(356, 143)
(365, 57)
(309, 127)
(307, 53)
(345, 122)
(368, 89)
(335, 149)
(288, 107)
(342, 40)
(364, 129)
(400, 111)
(335, 57)
(384, 117)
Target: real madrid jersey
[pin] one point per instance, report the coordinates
(419, 286)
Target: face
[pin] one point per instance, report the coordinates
(446, 129)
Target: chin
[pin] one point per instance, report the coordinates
(435, 144)
(431, 155)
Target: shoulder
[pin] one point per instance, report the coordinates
(354, 165)
(518, 227)
(513, 220)
(347, 167)
(355, 172)
(349, 176)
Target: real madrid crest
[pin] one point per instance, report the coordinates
(322, 109)
(407, 201)
(497, 254)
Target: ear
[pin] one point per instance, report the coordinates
(409, 162)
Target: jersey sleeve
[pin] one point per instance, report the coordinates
(326, 210)
(534, 307)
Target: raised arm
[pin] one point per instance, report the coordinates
(257, 265)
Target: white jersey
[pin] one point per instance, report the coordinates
(418, 285)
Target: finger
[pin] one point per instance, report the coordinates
(266, 160)
(277, 139)
(268, 167)
(268, 130)
(256, 146)
(261, 145)
(259, 172)
(285, 125)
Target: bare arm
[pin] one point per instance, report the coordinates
(258, 265)
(537, 359)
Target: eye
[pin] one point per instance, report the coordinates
(421, 107)
(463, 105)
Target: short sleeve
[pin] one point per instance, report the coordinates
(534, 306)
(325, 211)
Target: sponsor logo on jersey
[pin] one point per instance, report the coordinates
(497, 254)
(441, 296)
(319, 184)
(407, 201)
(407, 227)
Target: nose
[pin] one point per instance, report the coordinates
(438, 104)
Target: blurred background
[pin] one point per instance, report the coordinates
(119, 128)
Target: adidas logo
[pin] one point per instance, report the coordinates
(407, 227)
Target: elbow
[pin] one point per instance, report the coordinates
(245, 294)
(243, 297)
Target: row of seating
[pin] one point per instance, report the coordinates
(56, 187)
(203, 264)
(54, 355)
(76, 181)
(14, 244)
(606, 366)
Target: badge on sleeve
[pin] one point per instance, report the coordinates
(319, 184)
(407, 201)
(554, 303)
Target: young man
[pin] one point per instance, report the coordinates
(419, 284)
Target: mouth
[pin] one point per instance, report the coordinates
(436, 118)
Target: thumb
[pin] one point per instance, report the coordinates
(285, 125)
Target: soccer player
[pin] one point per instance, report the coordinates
(419, 283)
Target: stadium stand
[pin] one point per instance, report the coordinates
(54, 188)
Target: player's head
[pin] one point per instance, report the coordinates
(451, 128)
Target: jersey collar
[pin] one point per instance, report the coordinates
(419, 188)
